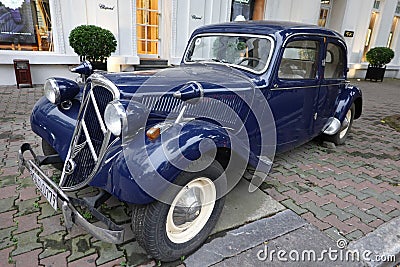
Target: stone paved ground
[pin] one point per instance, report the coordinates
(348, 191)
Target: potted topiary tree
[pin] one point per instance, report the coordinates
(378, 57)
(94, 44)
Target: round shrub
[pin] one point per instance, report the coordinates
(92, 43)
(379, 56)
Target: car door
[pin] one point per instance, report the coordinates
(332, 82)
(295, 90)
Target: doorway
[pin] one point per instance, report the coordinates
(147, 25)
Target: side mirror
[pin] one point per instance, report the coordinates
(85, 68)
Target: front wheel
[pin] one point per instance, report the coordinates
(340, 137)
(48, 150)
(169, 231)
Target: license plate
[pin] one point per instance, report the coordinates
(46, 190)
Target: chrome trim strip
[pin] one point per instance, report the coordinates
(113, 142)
(334, 84)
(89, 141)
(310, 34)
(269, 37)
(43, 175)
(301, 87)
(100, 80)
(71, 154)
(295, 87)
(97, 111)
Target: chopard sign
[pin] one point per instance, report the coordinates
(103, 6)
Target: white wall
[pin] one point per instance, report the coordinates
(305, 11)
(337, 15)
(396, 46)
(165, 28)
(39, 73)
(121, 21)
(183, 24)
(72, 14)
(356, 18)
(384, 22)
(43, 66)
(359, 22)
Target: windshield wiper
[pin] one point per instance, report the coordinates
(219, 60)
(209, 60)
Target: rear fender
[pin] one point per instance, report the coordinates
(348, 96)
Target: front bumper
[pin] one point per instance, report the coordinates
(112, 233)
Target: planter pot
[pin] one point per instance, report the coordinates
(375, 73)
(98, 65)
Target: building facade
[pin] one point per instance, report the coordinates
(38, 30)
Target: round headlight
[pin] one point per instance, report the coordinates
(52, 91)
(114, 117)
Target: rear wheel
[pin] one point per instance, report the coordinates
(169, 231)
(340, 137)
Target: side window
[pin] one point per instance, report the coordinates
(299, 60)
(334, 62)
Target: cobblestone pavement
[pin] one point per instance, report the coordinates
(347, 191)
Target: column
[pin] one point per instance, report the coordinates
(384, 22)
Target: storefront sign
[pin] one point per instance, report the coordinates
(196, 17)
(103, 6)
(349, 34)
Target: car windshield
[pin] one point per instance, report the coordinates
(247, 52)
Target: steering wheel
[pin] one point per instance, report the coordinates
(258, 60)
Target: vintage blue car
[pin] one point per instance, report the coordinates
(169, 143)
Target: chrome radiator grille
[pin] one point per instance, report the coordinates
(168, 103)
(91, 137)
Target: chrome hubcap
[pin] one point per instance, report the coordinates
(190, 210)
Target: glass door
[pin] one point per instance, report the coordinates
(324, 13)
(147, 23)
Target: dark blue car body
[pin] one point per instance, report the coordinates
(301, 109)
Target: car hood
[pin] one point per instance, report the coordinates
(170, 80)
(227, 93)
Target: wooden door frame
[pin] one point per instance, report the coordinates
(150, 56)
(259, 9)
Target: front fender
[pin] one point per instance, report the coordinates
(132, 173)
(54, 124)
(351, 94)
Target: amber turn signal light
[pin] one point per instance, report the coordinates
(153, 133)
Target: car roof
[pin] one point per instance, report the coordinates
(265, 27)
